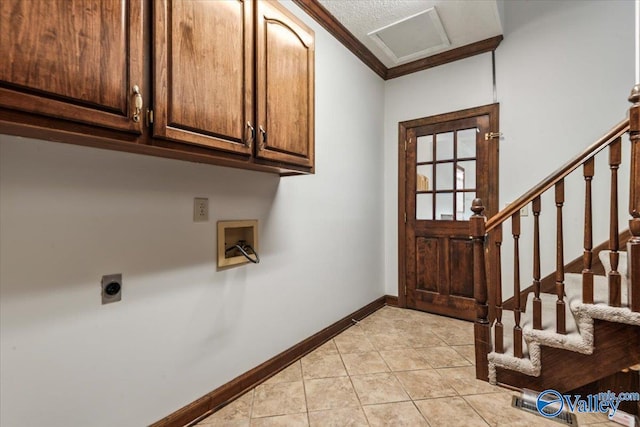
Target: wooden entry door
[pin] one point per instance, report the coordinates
(446, 161)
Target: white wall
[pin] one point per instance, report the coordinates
(70, 214)
(449, 87)
(564, 71)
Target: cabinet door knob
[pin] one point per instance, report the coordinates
(264, 137)
(137, 103)
(253, 134)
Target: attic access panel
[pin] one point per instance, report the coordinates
(412, 37)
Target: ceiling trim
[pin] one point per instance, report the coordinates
(456, 54)
(344, 36)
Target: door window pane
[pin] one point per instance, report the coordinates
(467, 143)
(424, 149)
(424, 206)
(424, 178)
(444, 176)
(444, 206)
(444, 146)
(468, 171)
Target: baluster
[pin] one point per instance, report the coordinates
(587, 257)
(633, 247)
(482, 329)
(615, 158)
(537, 303)
(560, 305)
(517, 330)
(499, 328)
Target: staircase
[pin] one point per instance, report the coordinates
(589, 326)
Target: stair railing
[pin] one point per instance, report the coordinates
(480, 228)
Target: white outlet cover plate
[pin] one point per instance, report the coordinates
(200, 209)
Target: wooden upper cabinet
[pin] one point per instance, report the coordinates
(228, 81)
(285, 76)
(74, 59)
(203, 73)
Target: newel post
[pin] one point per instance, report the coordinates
(482, 329)
(633, 247)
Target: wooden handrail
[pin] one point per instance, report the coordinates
(615, 132)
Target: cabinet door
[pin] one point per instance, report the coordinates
(73, 59)
(285, 75)
(203, 73)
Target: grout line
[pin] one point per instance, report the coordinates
(304, 392)
(253, 399)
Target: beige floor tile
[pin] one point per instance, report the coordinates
(450, 411)
(378, 388)
(239, 409)
(226, 423)
(327, 348)
(370, 373)
(449, 322)
(590, 418)
(278, 399)
(605, 424)
(364, 363)
(345, 417)
(352, 343)
(400, 414)
(443, 357)
(464, 381)
(467, 351)
(354, 330)
(294, 420)
(391, 313)
(418, 338)
(388, 341)
(330, 393)
(405, 359)
(373, 326)
(323, 366)
(457, 335)
(289, 374)
(425, 384)
(496, 410)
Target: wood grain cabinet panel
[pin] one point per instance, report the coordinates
(232, 80)
(203, 73)
(285, 75)
(74, 59)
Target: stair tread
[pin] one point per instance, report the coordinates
(508, 323)
(573, 289)
(622, 262)
(548, 302)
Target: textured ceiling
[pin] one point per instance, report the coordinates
(464, 21)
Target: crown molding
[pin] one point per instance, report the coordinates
(344, 36)
(329, 22)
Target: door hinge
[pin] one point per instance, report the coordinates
(405, 217)
(407, 141)
(149, 117)
(492, 135)
(405, 289)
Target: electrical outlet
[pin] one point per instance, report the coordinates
(111, 288)
(200, 209)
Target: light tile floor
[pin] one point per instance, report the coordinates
(397, 367)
